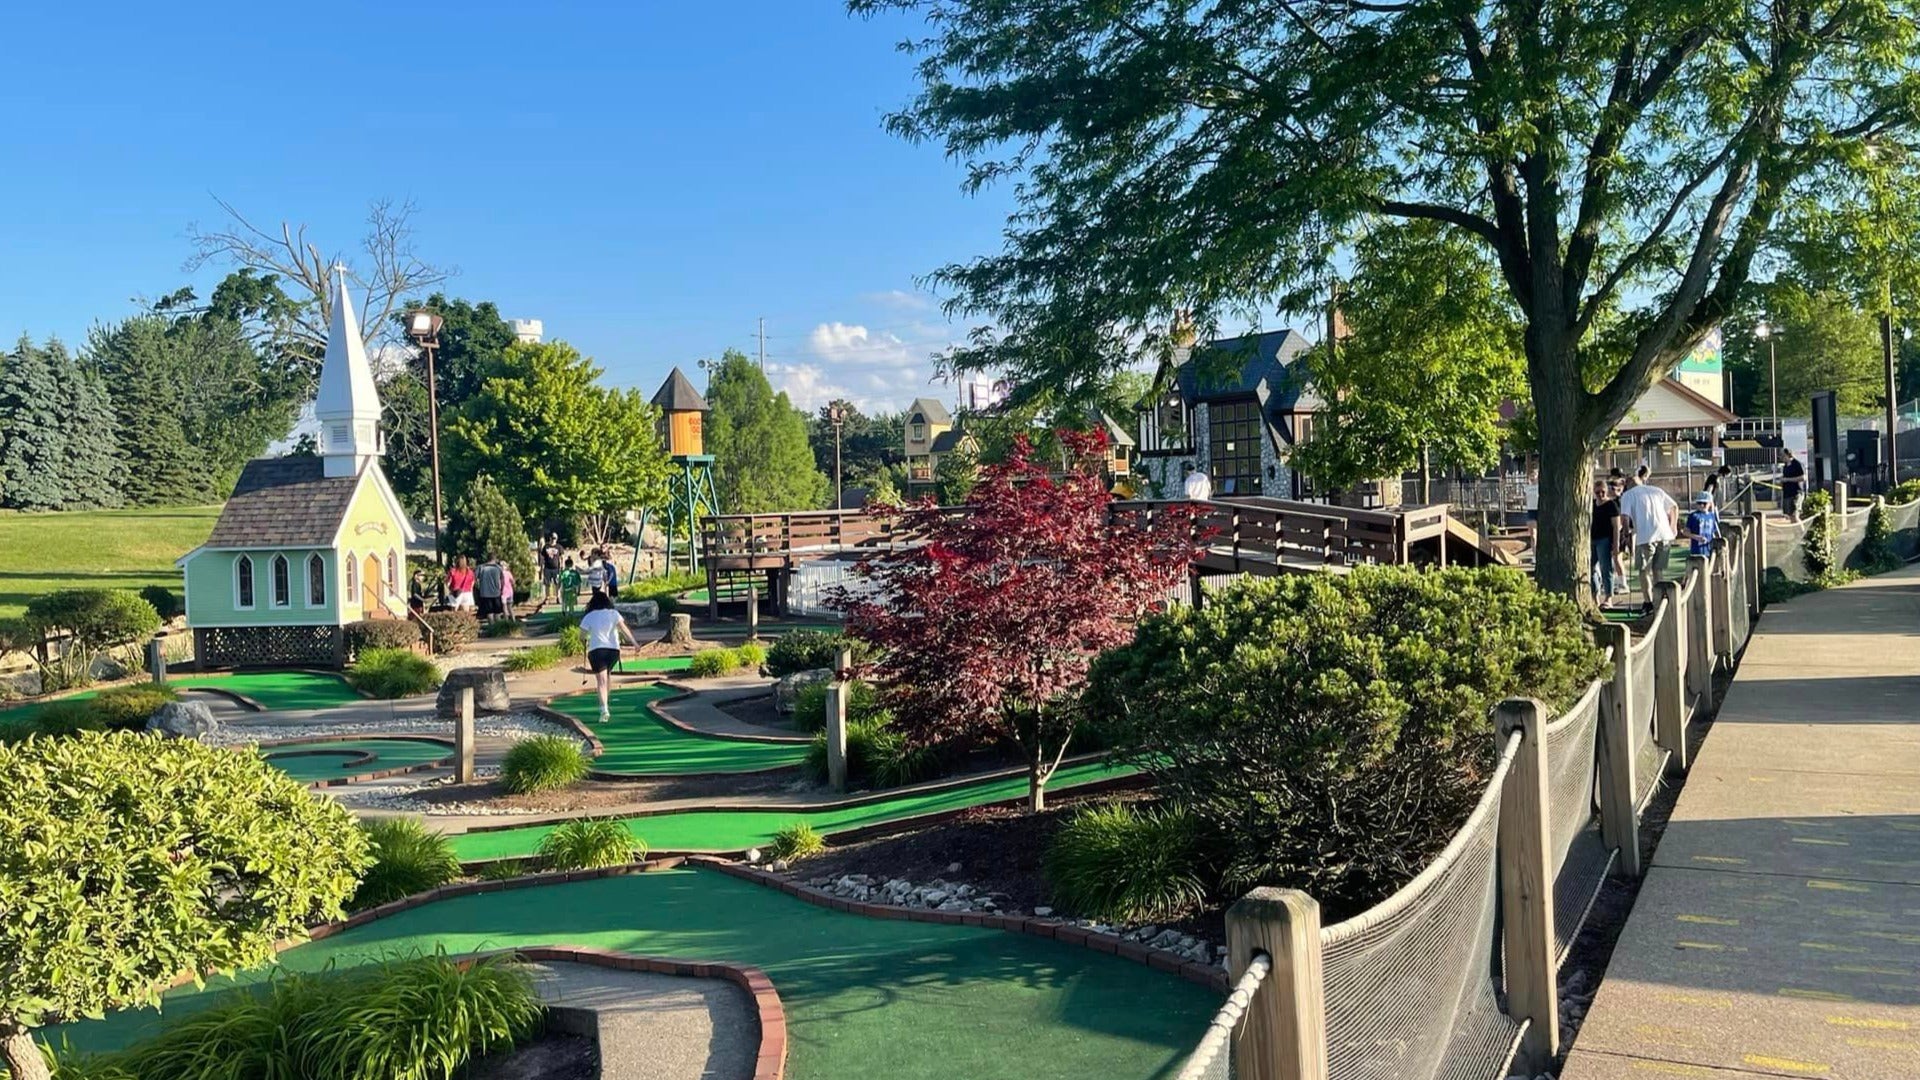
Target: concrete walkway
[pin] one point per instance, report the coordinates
(1778, 931)
(659, 1027)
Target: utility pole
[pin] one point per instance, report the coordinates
(763, 344)
(1893, 391)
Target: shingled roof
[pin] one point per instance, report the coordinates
(284, 502)
(678, 395)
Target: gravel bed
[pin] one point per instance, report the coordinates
(514, 726)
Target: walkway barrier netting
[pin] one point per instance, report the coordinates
(1737, 592)
(1581, 859)
(1213, 1058)
(1696, 625)
(1649, 759)
(1409, 986)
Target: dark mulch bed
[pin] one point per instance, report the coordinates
(598, 794)
(759, 711)
(550, 1057)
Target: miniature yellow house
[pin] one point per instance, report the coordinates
(305, 545)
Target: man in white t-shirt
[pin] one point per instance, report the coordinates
(1656, 521)
(1199, 486)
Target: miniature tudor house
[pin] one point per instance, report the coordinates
(306, 545)
(930, 434)
(1235, 408)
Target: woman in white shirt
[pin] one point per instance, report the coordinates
(604, 629)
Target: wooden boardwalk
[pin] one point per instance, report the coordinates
(1778, 930)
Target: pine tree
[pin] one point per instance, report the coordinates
(145, 380)
(485, 525)
(92, 467)
(762, 460)
(31, 428)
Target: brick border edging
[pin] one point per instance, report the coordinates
(1193, 971)
(366, 756)
(770, 1059)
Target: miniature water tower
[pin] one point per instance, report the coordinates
(690, 490)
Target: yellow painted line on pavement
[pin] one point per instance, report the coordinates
(1789, 1064)
(1822, 843)
(1707, 945)
(1882, 1044)
(1837, 886)
(1865, 969)
(1805, 824)
(1707, 920)
(1871, 1022)
(1670, 1068)
(1724, 860)
(1814, 995)
(1857, 913)
(1708, 1001)
(1904, 939)
(1825, 947)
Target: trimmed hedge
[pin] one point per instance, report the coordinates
(451, 629)
(807, 650)
(381, 634)
(122, 708)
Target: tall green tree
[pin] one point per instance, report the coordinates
(1628, 158)
(1435, 348)
(558, 444)
(56, 433)
(1822, 342)
(868, 444)
(473, 339)
(483, 524)
(150, 379)
(761, 459)
(94, 465)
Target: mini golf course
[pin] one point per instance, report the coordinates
(278, 690)
(736, 830)
(341, 759)
(638, 743)
(863, 997)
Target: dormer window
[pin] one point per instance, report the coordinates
(919, 430)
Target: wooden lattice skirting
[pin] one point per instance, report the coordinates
(267, 646)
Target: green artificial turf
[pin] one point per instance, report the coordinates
(863, 997)
(109, 549)
(639, 743)
(302, 763)
(658, 663)
(735, 830)
(277, 690)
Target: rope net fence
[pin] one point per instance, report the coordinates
(1742, 615)
(1649, 758)
(1212, 1059)
(1581, 859)
(1409, 986)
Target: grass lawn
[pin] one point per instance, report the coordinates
(735, 830)
(639, 743)
(863, 997)
(115, 549)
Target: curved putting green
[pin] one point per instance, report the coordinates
(340, 758)
(638, 743)
(863, 997)
(735, 830)
(278, 690)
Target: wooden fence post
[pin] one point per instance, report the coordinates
(1526, 885)
(463, 739)
(1722, 595)
(837, 693)
(156, 661)
(1619, 823)
(1700, 633)
(1669, 676)
(753, 605)
(1756, 537)
(1284, 1034)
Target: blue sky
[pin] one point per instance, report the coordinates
(648, 178)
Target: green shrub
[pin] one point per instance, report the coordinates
(165, 603)
(1876, 554)
(1904, 492)
(663, 589)
(1306, 714)
(393, 673)
(877, 756)
(157, 856)
(810, 705)
(451, 629)
(97, 621)
(500, 628)
(808, 650)
(751, 655)
(708, 663)
(1120, 862)
(537, 658)
(381, 634)
(795, 842)
(121, 708)
(420, 1018)
(407, 859)
(589, 843)
(502, 869)
(543, 763)
(1817, 549)
(484, 524)
(572, 641)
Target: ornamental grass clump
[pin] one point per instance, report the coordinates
(393, 673)
(535, 658)
(407, 859)
(1332, 733)
(795, 842)
(712, 663)
(1126, 863)
(543, 763)
(590, 843)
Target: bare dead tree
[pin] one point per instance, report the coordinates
(387, 268)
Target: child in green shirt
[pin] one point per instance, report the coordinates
(569, 587)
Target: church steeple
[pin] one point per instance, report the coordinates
(348, 405)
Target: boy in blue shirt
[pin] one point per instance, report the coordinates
(1703, 525)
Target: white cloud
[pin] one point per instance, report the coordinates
(876, 369)
(900, 300)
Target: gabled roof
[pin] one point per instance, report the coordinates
(678, 395)
(948, 441)
(935, 412)
(1116, 435)
(284, 502)
(1670, 405)
(1262, 365)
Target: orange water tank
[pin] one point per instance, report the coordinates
(680, 408)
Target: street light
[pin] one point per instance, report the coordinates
(837, 416)
(423, 327)
(1766, 332)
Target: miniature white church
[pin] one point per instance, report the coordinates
(306, 544)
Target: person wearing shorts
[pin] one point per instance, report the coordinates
(550, 555)
(604, 630)
(489, 582)
(460, 585)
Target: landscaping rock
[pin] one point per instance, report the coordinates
(786, 692)
(183, 720)
(639, 612)
(489, 691)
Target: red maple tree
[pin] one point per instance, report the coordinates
(987, 628)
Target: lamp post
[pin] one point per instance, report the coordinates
(423, 327)
(1766, 332)
(837, 416)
